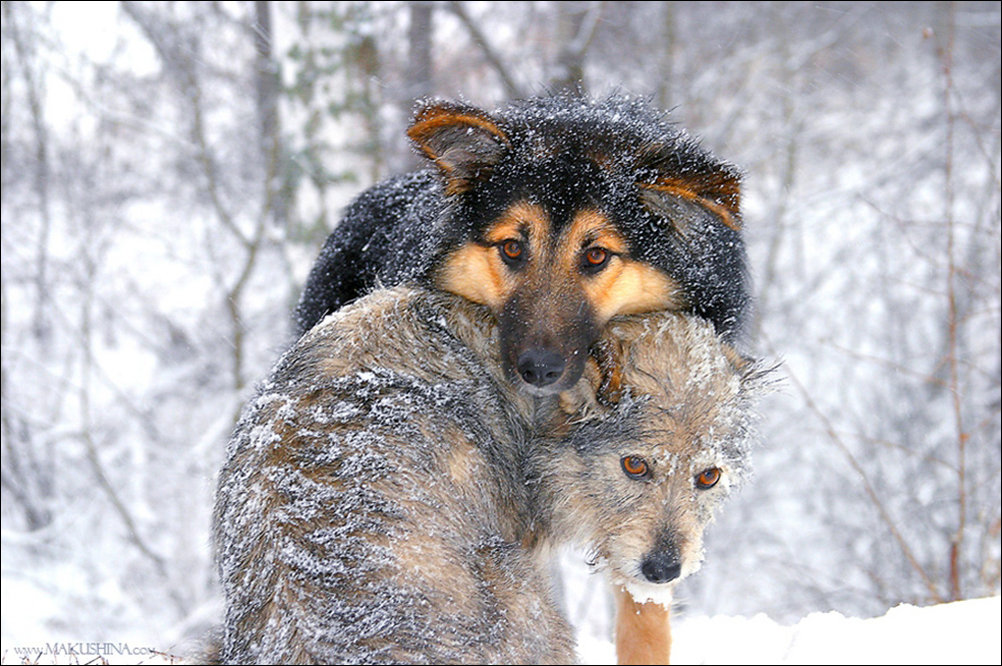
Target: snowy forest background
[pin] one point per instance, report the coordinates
(170, 171)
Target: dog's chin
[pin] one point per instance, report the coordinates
(644, 592)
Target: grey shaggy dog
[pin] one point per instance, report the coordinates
(388, 498)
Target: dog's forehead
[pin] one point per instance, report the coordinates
(588, 225)
(690, 396)
(681, 452)
(701, 421)
(561, 186)
(678, 361)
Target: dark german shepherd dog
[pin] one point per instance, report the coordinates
(557, 213)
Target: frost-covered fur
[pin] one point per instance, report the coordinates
(683, 406)
(387, 495)
(372, 504)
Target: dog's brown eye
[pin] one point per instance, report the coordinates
(708, 478)
(594, 259)
(512, 250)
(635, 467)
(596, 256)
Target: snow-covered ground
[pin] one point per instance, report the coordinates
(963, 632)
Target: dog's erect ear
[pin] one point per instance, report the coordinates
(669, 185)
(463, 141)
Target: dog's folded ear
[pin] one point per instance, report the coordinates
(583, 401)
(610, 357)
(464, 142)
(601, 385)
(670, 186)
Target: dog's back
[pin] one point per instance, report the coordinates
(370, 507)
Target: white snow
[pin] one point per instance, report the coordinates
(962, 632)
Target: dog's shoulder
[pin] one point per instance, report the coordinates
(414, 330)
(382, 239)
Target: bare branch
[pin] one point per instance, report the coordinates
(885, 515)
(511, 88)
(956, 543)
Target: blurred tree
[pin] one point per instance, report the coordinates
(22, 36)
(419, 36)
(267, 86)
(335, 69)
(577, 23)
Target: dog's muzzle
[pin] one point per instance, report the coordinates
(661, 566)
(540, 367)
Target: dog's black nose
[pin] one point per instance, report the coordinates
(661, 566)
(540, 367)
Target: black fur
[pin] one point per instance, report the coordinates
(558, 152)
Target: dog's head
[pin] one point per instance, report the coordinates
(641, 482)
(564, 214)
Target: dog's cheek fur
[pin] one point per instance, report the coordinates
(474, 272)
(632, 287)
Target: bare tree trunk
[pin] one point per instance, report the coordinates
(25, 474)
(368, 61)
(779, 226)
(665, 95)
(576, 26)
(953, 315)
(40, 175)
(419, 37)
(266, 85)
